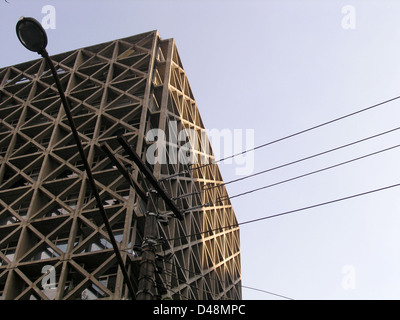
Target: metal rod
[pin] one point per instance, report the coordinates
(150, 177)
(92, 183)
(108, 151)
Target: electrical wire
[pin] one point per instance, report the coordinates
(284, 138)
(225, 198)
(264, 171)
(287, 212)
(309, 173)
(189, 284)
(213, 278)
(268, 292)
(287, 164)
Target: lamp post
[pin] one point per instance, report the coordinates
(33, 37)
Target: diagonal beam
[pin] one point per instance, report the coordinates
(107, 150)
(150, 177)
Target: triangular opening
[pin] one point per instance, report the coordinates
(15, 77)
(139, 62)
(34, 70)
(37, 120)
(55, 225)
(117, 100)
(57, 210)
(44, 92)
(136, 87)
(146, 42)
(106, 127)
(121, 74)
(43, 252)
(97, 72)
(7, 218)
(108, 51)
(48, 79)
(91, 60)
(34, 245)
(94, 292)
(70, 60)
(86, 125)
(8, 102)
(16, 181)
(74, 278)
(95, 243)
(56, 170)
(88, 239)
(21, 90)
(11, 116)
(25, 161)
(125, 49)
(82, 83)
(29, 147)
(111, 97)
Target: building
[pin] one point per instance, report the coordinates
(53, 244)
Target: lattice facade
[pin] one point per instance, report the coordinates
(50, 228)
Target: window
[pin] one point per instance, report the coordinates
(9, 251)
(57, 211)
(34, 173)
(22, 209)
(72, 200)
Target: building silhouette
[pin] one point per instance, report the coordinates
(53, 244)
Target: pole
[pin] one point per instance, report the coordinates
(146, 285)
(92, 183)
(107, 150)
(149, 176)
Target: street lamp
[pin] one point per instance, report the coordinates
(33, 37)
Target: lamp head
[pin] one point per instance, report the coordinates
(32, 35)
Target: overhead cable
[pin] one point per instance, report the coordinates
(285, 137)
(291, 163)
(220, 229)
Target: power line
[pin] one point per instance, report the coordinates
(213, 278)
(285, 137)
(309, 173)
(297, 177)
(287, 212)
(268, 292)
(300, 209)
(196, 273)
(288, 164)
(189, 284)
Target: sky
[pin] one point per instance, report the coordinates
(274, 68)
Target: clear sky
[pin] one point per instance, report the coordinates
(279, 67)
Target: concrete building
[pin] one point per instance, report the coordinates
(53, 244)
